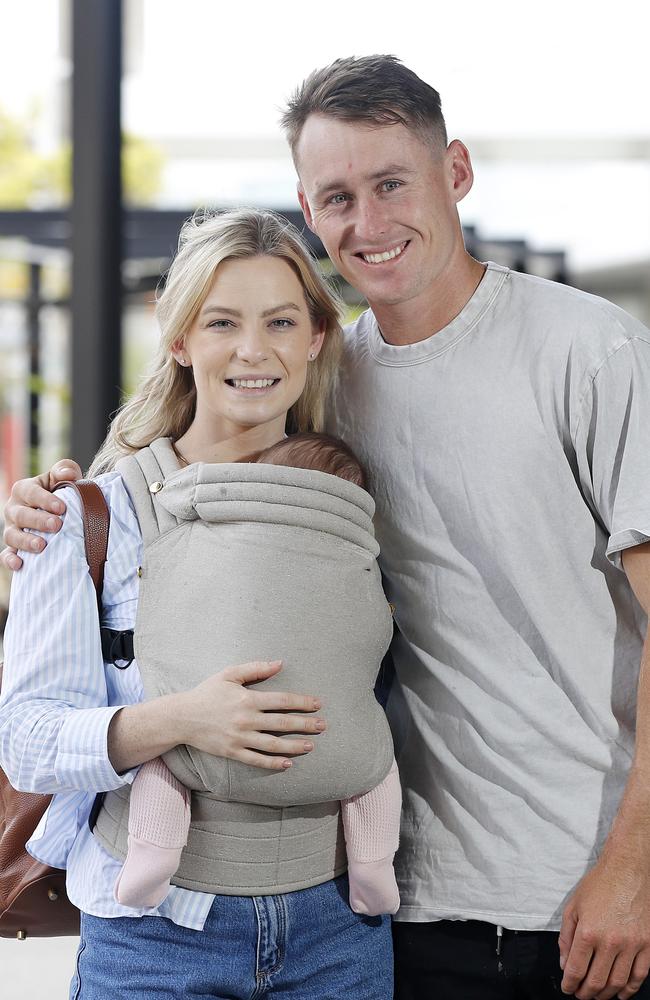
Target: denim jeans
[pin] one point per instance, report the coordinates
(305, 945)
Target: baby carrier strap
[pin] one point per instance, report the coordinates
(144, 474)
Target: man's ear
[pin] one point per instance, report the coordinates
(306, 210)
(459, 169)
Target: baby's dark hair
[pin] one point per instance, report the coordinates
(320, 452)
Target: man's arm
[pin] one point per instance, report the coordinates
(33, 506)
(605, 935)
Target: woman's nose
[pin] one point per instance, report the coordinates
(252, 346)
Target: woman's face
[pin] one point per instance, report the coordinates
(249, 346)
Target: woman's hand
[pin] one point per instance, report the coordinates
(220, 716)
(32, 506)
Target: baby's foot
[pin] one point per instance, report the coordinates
(373, 888)
(144, 878)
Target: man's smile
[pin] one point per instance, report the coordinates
(382, 256)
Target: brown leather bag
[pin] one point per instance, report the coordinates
(33, 900)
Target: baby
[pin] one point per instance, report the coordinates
(159, 814)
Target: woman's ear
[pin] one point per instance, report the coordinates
(317, 338)
(180, 354)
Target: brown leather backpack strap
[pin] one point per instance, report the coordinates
(96, 521)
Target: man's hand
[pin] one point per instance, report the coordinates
(605, 935)
(32, 506)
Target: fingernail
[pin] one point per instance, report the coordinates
(308, 746)
(275, 663)
(37, 545)
(316, 704)
(52, 523)
(13, 563)
(58, 507)
(320, 725)
(286, 763)
(562, 962)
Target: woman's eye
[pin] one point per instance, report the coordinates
(220, 324)
(282, 324)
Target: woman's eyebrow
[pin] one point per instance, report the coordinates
(281, 308)
(224, 310)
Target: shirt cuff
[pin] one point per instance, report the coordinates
(82, 760)
(626, 539)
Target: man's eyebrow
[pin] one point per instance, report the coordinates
(225, 311)
(388, 171)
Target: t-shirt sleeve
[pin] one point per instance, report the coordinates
(613, 446)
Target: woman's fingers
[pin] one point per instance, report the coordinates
(269, 763)
(268, 743)
(276, 723)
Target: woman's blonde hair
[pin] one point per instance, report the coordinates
(165, 401)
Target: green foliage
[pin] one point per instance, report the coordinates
(27, 177)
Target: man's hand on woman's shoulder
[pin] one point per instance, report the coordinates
(33, 507)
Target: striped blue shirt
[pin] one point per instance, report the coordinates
(58, 698)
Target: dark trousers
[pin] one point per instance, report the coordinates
(458, 960)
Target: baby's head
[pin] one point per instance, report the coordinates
(320, 452)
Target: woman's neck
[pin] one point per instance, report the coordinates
(230, 445)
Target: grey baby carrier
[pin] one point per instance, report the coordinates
(257, 562)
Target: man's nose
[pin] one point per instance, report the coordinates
(370, 221)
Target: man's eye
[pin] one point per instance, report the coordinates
(391, 185)
(338, 199)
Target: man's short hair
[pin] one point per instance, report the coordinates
(379, 90)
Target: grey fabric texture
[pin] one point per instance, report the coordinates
(256, 562)
(509, 456)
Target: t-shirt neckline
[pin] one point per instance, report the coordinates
(438, 343)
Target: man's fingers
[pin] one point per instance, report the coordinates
(567, 930)
(276, 723)
(23, 541)
(637, 977)
(618, 976)
(64, 470)
(576, 965)
(597, 980)
(33, 493)
(10, 559)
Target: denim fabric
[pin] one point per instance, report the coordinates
(305, 945)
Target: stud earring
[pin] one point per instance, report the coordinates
(312, 356)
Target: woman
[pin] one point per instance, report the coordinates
(249, 334)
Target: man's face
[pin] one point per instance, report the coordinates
(383, 203)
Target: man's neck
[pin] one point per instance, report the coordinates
(425, 315)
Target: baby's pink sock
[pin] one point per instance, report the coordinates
(371, 827)
(159, 820)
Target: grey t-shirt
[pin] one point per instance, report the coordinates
(510, 462)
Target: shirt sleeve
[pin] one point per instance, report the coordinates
(612, 444)
(54, 711)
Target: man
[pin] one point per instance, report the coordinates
(503, 419)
